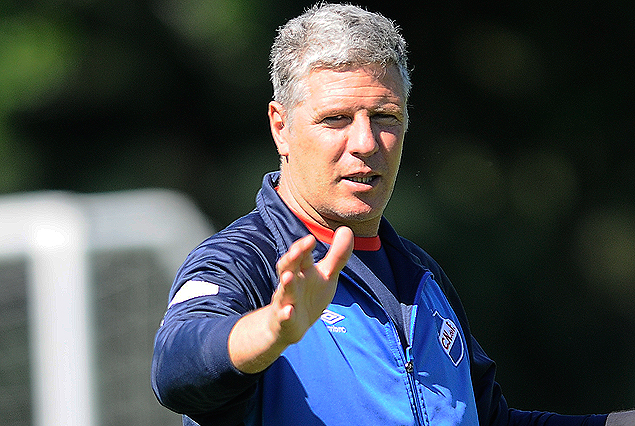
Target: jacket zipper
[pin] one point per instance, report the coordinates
(407, 354)
(409, 366)
(410, 370)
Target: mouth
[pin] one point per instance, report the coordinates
(367, 179)
(364, 180)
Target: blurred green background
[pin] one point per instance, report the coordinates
(518, 173)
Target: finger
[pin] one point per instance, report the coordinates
(284, 292)
(339, 253)
(298, 257)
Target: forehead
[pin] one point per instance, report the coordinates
(368, 84)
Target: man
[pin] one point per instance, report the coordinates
(311, 310)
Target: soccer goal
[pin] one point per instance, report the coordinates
(84, 280)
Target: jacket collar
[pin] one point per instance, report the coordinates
(286, 227)
(283, 224)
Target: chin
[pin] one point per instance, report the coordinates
(356, 210)
(356, 215)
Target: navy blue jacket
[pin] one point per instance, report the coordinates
(352, 366)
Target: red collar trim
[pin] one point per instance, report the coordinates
(325, 235)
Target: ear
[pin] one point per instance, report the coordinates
(279, 129)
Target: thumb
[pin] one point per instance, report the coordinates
(338, 254)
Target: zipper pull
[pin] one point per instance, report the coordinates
(409, 364)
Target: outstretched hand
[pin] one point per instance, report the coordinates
(306, 288)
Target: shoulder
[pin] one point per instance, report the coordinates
(247, 237)
(423, 257)
(240, 259)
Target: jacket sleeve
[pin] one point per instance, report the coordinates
(191, 370)
(491, 404)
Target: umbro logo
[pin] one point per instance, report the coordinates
(330, 318)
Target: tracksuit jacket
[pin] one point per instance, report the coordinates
(361, 363)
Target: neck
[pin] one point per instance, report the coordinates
(325, 235)
(308, 215)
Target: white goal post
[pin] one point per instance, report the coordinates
(55, 232)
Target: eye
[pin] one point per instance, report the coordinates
(386, 119)
(337, 121)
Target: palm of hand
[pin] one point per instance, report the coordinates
(306, 288)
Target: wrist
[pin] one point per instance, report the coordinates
(255, 342)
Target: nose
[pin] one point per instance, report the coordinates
(362, 140)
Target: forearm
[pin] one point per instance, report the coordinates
(622, 418)
(191, 370)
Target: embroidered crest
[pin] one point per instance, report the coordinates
(450, 339)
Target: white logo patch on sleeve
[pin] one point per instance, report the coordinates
(192, 289)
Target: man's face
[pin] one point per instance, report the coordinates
(343, 147)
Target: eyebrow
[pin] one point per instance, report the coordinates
(386, 107)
